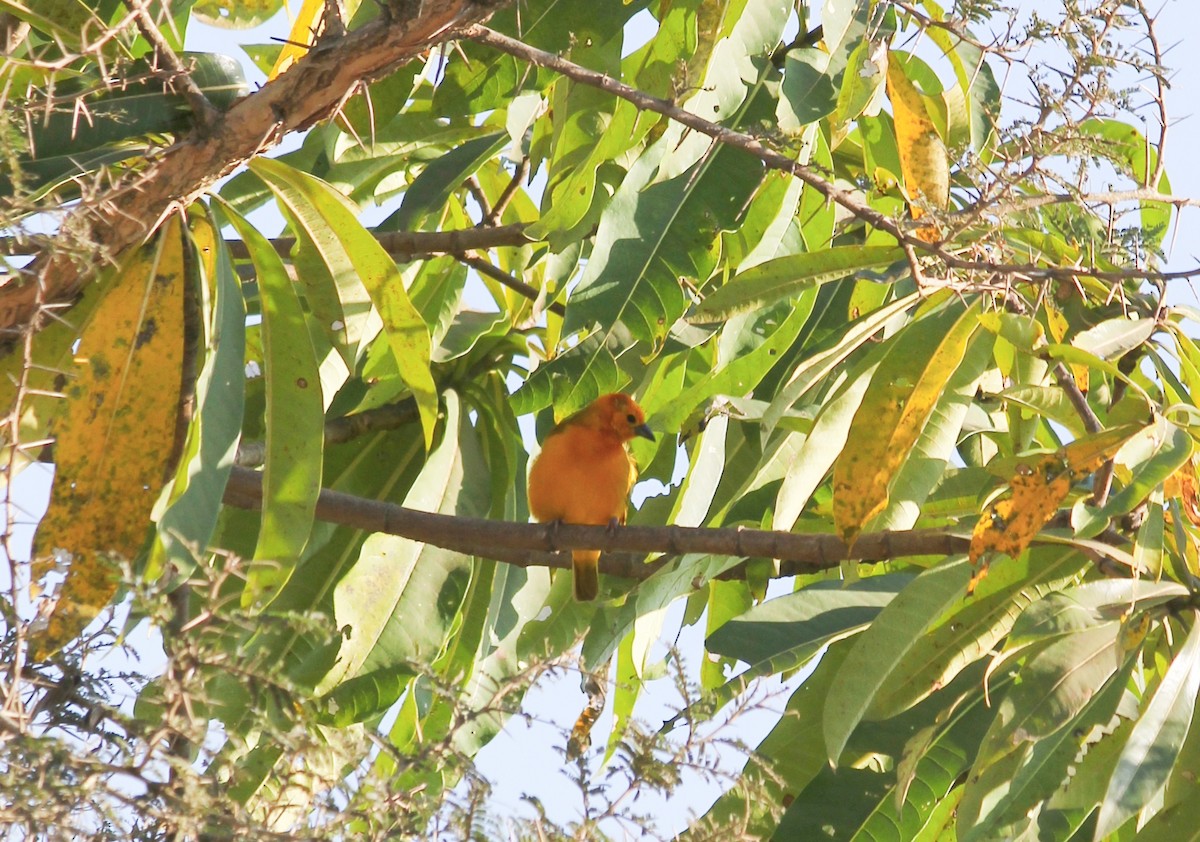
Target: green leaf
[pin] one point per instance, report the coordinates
(1050, 402)
(189, 521)
(590, 129)
(1156, 739)
(295, 422)
(624, 697)
(1178, 823)
(1077, 356)
(1007, 792)
(820, 363)
(401, 597)
(1115, 337)
(1148, 547)
(703, 476)
(926, 772)
(877, 651)
(786, 631)
(430, 190)
(821, 447)
(980, 93)
(365, 696)
(1152, 456)
(653, 234)
(726, 601)
(969, 633)
(347, 247)
(769, 282)
(862, 86)
(67, 21)
(741, 373)
(1056, 684)
(808, 92)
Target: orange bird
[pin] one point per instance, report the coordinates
(584, 475)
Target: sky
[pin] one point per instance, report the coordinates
(527, 758)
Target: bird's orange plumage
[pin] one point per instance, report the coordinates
(584, 475)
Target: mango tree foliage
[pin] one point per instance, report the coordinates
(709, 205)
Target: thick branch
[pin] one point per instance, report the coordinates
(531, 544)
(307, 93)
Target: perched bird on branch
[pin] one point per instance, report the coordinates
(584, 475)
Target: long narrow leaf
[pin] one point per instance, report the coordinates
(295, 422)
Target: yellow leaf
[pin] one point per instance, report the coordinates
(1009, 525)
(116, 434)
(1058, 329)
(302, 34)
(891, 418)
(1181, 486)
(1037, 490)
(923, 159)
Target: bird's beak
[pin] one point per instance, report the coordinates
(643, 431)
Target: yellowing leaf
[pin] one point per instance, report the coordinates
(923, 158)
(1058, 329)
(303, 29)
(1010, 524)
(1182, 487)
(889, 421)
(116, 436)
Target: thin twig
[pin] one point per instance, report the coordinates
(476, 190)
(516, 284)
(775, 160)
(407, 245)
(510, 190)
(1066, 381)
(180, 78)
(1102, 479)
(717, 132)
(251, 454)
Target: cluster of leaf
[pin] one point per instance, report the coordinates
(822, 387)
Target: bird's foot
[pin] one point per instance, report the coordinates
(552, 529)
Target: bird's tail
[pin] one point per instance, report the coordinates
(586, 574)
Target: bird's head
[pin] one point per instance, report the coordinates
(620, 414)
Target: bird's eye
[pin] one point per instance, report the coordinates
(631, 418)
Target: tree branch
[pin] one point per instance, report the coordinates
(541, 545)
(510, 190)
(177, 74)
(307, 93)
(775, 160)
(745, 142)
(515, 284)
(406, 245)
(251, 454)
